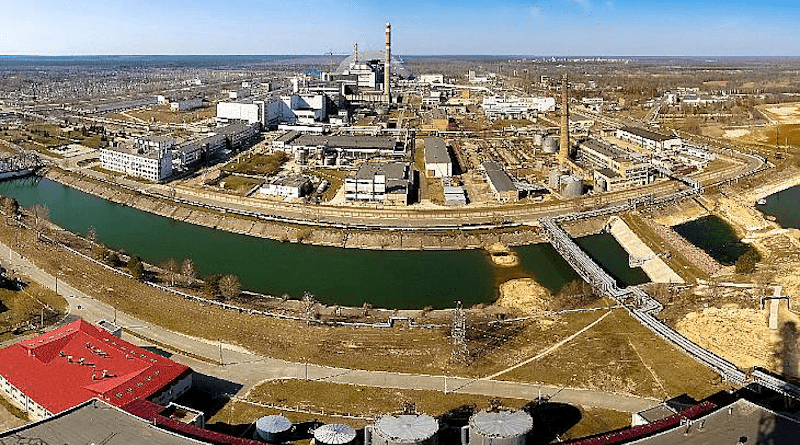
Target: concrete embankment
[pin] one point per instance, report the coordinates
(651, 264)
(314, 235)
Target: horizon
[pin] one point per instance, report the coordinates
(563, 28)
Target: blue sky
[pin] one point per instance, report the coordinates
(548, 27)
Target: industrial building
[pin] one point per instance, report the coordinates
(343, 146)
(614, 168)
(650, 140)
(186, 105)
(500, 182)
(517, 106)
(384, 182)
(149, 158)
(95, 422)
(437, 159)
(295, 186)
(67, 366)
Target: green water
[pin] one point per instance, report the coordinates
(392, 279)
(785, 207)
(714, 236)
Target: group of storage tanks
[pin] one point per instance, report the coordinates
(489, 427)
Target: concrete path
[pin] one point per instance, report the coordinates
(248, 369)
(653, 266)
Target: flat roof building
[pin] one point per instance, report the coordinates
(649, 139)
(351, 146)
(386, 182)
(500, 182)
(615, 169)
(437, 159)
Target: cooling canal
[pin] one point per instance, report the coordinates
(392, 279)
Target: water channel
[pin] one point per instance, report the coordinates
(785, 207)
(393, 279)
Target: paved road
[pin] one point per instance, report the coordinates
(247, 369)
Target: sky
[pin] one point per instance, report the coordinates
(435, 27)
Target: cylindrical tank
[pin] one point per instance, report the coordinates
(572, 187)
(334, 434)
(406, 429)
(499, 427)
(550, 144)
(273, 429)
(554, 179)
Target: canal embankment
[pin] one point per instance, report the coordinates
(642, 255)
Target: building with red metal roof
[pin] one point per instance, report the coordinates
(69, 365)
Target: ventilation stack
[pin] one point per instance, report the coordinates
(387, 69)
(564, 153)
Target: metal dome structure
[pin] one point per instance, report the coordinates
(334, 434)
(499, 427)
(406, 429)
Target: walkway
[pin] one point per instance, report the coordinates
(248, 369)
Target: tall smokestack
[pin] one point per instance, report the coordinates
(564, 153)
(388, 68)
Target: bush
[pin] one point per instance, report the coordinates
(746, 264)
(135, 267)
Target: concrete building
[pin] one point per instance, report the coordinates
(69, 365)
(186, 105)
(614, 168)
(516, 106)
(95, 421)
(288, 187)
(250, 112)
(656, 142)
(384, 182)
(432, 98)
(580, 123)
(431, 78)
(149, 158)
(347, 146)
(437, 159)
(593, 103)
(500, 182)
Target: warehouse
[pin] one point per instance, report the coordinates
(500, 182)
(437, 159)
(346, 145)
(69, 365)
(650, 140)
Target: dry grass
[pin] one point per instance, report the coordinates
(620, 355)
(28, 306)
(365, 401)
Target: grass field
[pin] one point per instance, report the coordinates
(29, 305)
(257, 164)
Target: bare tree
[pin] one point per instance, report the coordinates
(91, 234)
(10, 207)
(230, 287)
(171, 266)
(187, 269)
(40, 216)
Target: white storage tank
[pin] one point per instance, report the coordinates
(334, 434)
(499, 427)
(273, 429)
(550, 144)
(406, 429)
(572, 187)
(537, 139)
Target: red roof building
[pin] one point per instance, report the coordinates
(72, 364)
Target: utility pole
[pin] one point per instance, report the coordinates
(458, 332)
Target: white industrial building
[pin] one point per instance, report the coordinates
(437, 159)
(517, 106)
(656, 142)
(186, 105)
(384, 182)
(293, 109)
(287, 187)
(431, 78)
(500, 182)
(149, 158)
(346, 146)
(614, 168)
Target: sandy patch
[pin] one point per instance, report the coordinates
(739, 335)
(736, 133)
(525, 295)
(503, 256)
